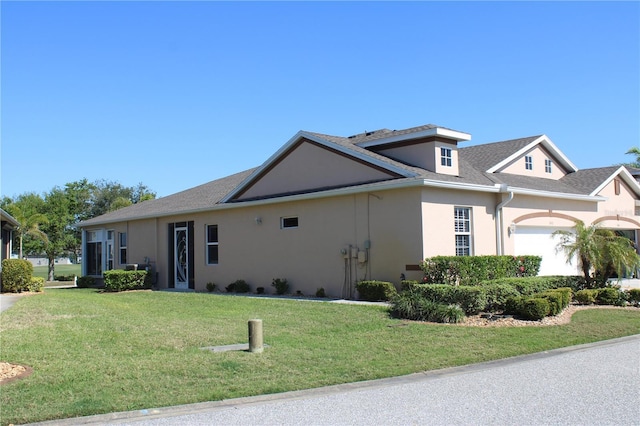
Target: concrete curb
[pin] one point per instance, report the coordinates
(164, 412)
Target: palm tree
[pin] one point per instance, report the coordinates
(29, 223)
(601, 249)
(634, 151)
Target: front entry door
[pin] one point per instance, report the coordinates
(181, 260)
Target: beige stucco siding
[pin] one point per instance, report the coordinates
(426, 155)
(310, 166)
(385, 226)
(538, 155)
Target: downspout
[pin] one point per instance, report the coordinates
(498, 216)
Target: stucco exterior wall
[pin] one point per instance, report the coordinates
(425, 155)
(309, 166)
(386, 226)
(538, 155)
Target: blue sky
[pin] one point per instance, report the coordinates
(176, 94)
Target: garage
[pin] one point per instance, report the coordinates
(538, 241)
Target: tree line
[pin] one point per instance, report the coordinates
(47, 221)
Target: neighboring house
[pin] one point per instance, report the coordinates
(8, 224)
(327, 211)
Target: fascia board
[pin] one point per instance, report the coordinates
(436, 131)
(626, 176)
(546, 142)
(7, 217)
(562, 195)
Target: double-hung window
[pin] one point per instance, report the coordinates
(462, 225)
(445, 157)
(212, 244)
(547, 165)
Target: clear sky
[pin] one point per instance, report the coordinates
(176, 94)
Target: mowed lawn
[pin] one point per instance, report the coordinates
(95, 352)
(43, 271)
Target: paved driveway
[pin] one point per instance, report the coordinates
(595, 384)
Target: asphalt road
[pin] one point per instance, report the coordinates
(595, 384)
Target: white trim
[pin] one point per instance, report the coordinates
(436, 131)
(547, 143)
(626, 176)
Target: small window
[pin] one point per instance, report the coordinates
(528, 162)
(123, 248)
(289, 222)
(616, 186)
(445, 157)
(547, 165)
(212, 244)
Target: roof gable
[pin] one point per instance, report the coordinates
(312, 162)
(593, 181)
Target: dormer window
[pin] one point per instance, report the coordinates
(445, 157)
(547, 165)
(528, 162)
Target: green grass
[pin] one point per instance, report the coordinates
(43, 271)
(97, 352)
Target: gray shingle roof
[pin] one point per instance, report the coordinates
(473, 163)
(485, 156)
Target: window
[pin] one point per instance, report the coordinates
(212, 244)
(93, 253)
(462, 224)
(547, 165)
(109, 250)
(445, 157)
(528, 162)
(123, 248)
(289, 222)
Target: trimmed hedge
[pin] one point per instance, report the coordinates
(16, 275)
(374, 291)
(238, 286)
(470, 270)
(412, 305)
(85, 282)
(36, 284)
(540, 305)
(633, 296)
(534, 309)
(610, 296)
(120, 280)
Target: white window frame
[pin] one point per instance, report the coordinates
(548, 165)
(446, 156)
(528, 162)
(122, 248)
(210, 243)
(463, 230)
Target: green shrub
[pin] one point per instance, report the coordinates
(408, 284)
(63, 277)
(238, 286)
(633, 296)
(534, 309)
(414, 306)
(16, 275)
(554, 299)
(470, 270)
(513, 305)
(471, 299)
(120, 280)
(281, 285)
(85, 282)
(497, 296)
(608, 296)
(374, 291)
(586, 296)
(211, 287)
(36, 284)
(320, 292)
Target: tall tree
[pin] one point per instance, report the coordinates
(598, 249)
(59, 227)
(26, 210)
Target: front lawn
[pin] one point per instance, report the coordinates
(62, 269)
(97, 352)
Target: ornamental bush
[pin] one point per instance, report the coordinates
(16, 275)
(534, 309)
(36, 284)
(238, 286)
(120, 280)
(586, 296)
(497, 296)
(470, 270)
(413, 305)
(375, 291)
(609, 296)
(85, 282)
(471, 299)
(281, 285)
(633, 296)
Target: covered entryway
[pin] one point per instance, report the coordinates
(538, 241)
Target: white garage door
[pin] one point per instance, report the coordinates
(538, 241)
